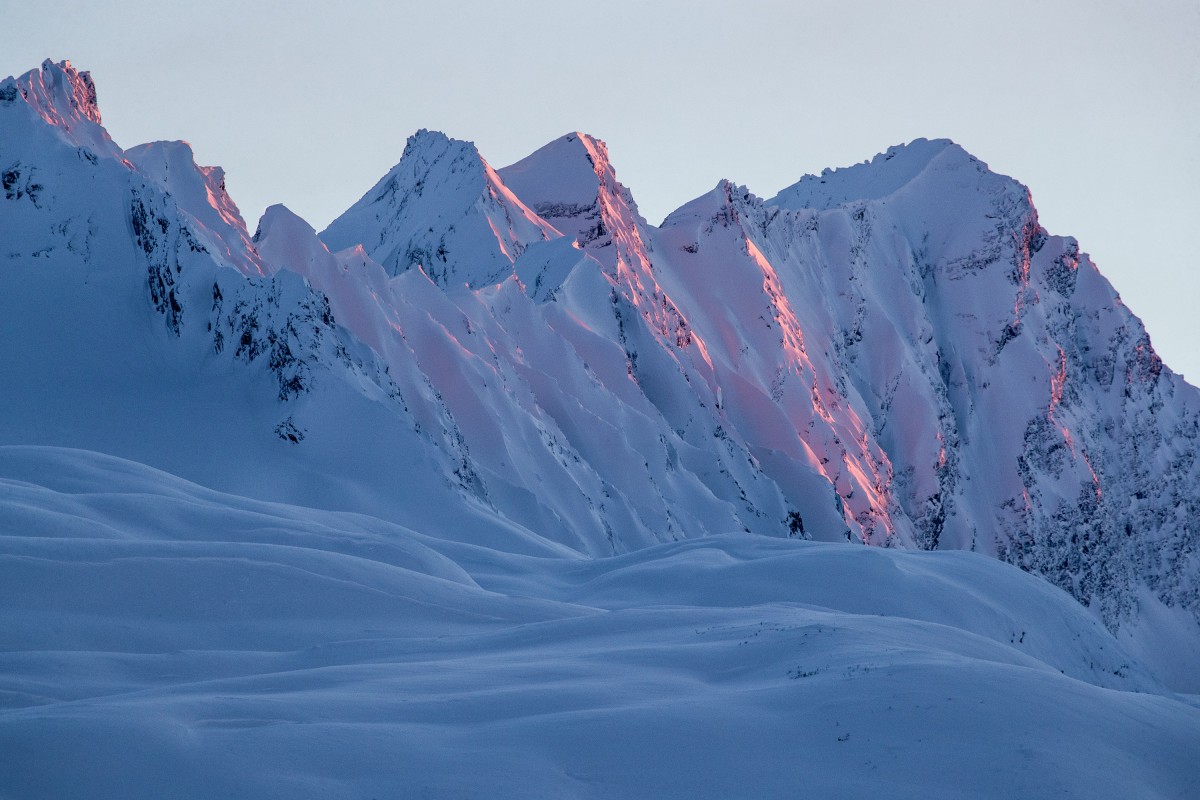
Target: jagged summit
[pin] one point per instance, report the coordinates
(883, 175)
(66, 99)
(61, 91)
(444, 210)
(62, 100)
(718, 205)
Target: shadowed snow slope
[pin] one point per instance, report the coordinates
(494, 488)
(316, 653)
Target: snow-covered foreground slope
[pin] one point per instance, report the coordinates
(162, 639)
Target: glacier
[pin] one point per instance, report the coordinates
(492, 486)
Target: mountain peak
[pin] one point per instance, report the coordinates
(443, 209)
(883, 175)
(425, 148)
(719, 205)
(566, 172)
(285, 240)
(76, 87)
(65, 98)
(277, 220)
(571, 184)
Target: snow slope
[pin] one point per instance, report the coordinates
(317, 654)
(493, 473)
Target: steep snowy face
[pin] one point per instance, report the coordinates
(797, 413)
(442, 210)
(546, 422)
(200, 193)
(571, 184)
(65, 98)
(856, 256)
(1020, 403)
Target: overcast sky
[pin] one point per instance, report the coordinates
(1093, 104)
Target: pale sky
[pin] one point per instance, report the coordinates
(1093, 104)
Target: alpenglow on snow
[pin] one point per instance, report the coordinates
(492, 417)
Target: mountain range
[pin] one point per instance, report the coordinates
(493, 486)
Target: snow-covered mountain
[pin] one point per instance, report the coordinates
(442, 210)
(498, 405)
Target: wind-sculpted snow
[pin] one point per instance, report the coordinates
(154, 629)
(493, 472)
